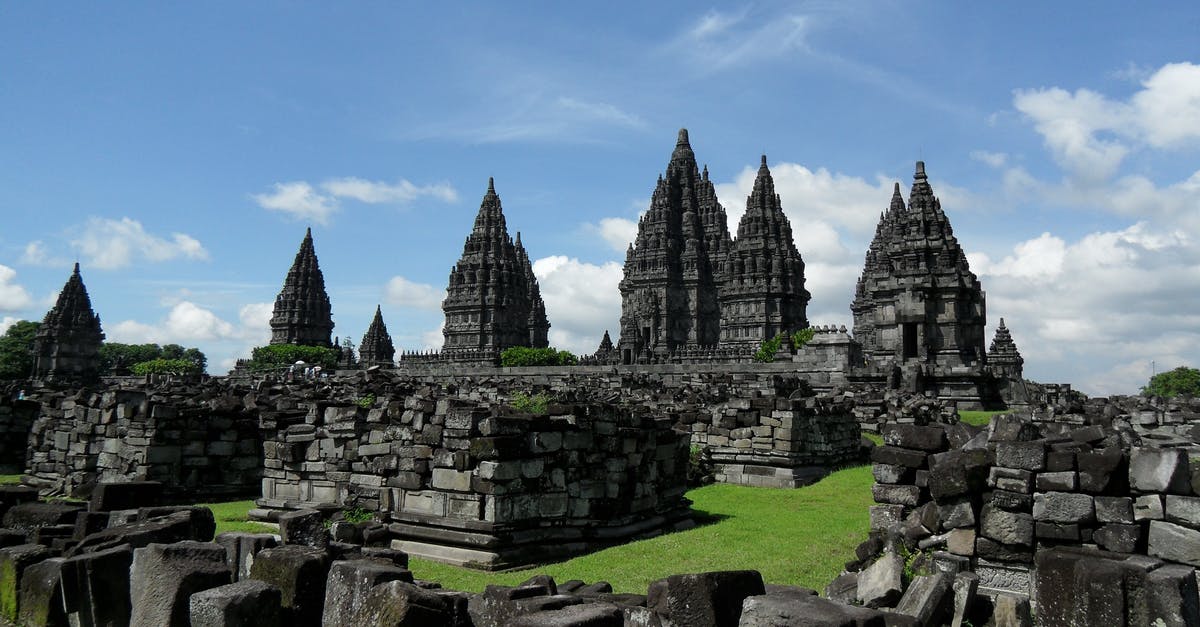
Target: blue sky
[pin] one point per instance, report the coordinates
(178, 151)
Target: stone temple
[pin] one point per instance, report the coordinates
(493, 301)
(689, 285)
(302, 312)
(917, 301)
(376, 348)
(67, 346)
(1003, 357)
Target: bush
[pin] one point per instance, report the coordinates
(535, 404)
(802, 337)
(523, 356)
(16, 350)
(165, 366)
(118, 358)
(1182, 380)
(283, 355)
(766, 353)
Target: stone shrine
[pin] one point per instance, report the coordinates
(302, 311)
(669, 294)
(67, 346)
(1003, 356)
(917, 300)
(762, 287)
(376, 348)
(493, 301)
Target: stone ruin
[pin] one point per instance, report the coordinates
(67, 347)
(302, 313)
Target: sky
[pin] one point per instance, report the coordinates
(179, 150)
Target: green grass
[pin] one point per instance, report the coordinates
(231, 516)
(10, 479)
(801, 537)
(977, 418)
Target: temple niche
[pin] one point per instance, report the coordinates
(67, 345)
(917, 300)
(302, 313)
(762, 284)
(669, 294)
(493, 301)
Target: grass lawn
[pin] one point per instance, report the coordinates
(231, 516)
(10, 479)
(977, 418)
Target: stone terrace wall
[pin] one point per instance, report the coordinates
(16, 417)
(197, 440)
(1026, 484)
(467, 481)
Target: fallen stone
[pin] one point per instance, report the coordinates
(898, 456)
(14, 560)
(909, 436)
(908, 495)
(95, 587)
(964, 588)
(1118, 538)
(582, 615)
(305, 527)
(348, 585)
(164, 577)
(881, 583)
(1174, 543)
(1065, 481)
(1021, 455)
(927, 598)
(29, 516)
(299, 573)
(1011, 610)
(11, 495)
(40, 603)
(401, 604)
(1063, 507)
(1163, 470)
(1148, 507)
(107, 497)
(961, 541)
(1182, 510)
(1172, 599)
(713, 598)
(201, 519)
(248, 603)
(1006, 527)
(240, 549)
(808, 611)
(1114, 509)
(175, 527)
(843, 589)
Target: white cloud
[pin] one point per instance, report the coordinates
(376, 192)
(37, 254)
(299, 200)
(720, 41)
(844, 201)
(6, 322)
(405, 293)
(618, 233)
(13, 297)
(186, 323)
(600, 112)
(994, 159)
(582, 300)
(111, 244)
(433, 339)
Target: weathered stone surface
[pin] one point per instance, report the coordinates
(927, 598)
(67, 346)
(349, 584)
(1102, 469)
(1006, 527)
(957, 513)
(880, 584)
(302, 312)
(908, 495)
(305, 527)
(1159, 470)
(843, 589)
(884, 515)
(95, 587)
(1061, 532)
(40, 603)
(1010, 610)
(28, 516)
(13, 562)
(1011, 479)
(175, 527)
(1063, 507)
(1057, 481)
(1114, 509)
(961, 541)
(1182, 510)
(401, 604)
(805, 611)
(931, 438)
(249, 603)
(713, 598)
(890, 473)
(1021, 455)
(898, 456)
(582, 615)
(1173, 542)
(299, 573)
(964, 587)
(1118, 538)
(127, 495)
(240, 549)
(1172, 600)
(163, 578)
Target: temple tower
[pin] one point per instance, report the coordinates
(302, 313)
(669, 292)
(762, 285)
(1003, 357)
(492, 301)
(67, 345)
(376, 348)
(917, 300)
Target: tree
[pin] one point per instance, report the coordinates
(523, 356)
(283, 355)
(16, 350)
(1182, 380)
(164, 366)
(118, 358)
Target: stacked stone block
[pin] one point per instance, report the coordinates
(16, 417)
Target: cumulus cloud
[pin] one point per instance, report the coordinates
(110, 244)
(582, 300)
(405, 293)
(302, 201)
(185, 323)
(618, 233)
(13, 296)
(36, 253)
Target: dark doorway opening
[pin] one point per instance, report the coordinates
(910, 340)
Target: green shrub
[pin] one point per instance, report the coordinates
(766, 353)
(16, 350)
(1182, 380)
(357, 515)
(802, 337)
(118, 358)
(165, 366)
(530, 404)
(283, 355)
(522, 356)
(366, 402)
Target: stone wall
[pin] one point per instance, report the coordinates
(16, 417)
(1118, 475)
(198, 441)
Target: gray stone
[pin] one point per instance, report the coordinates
(164, 577)
(964, 587)
(13, 562)
(1021, 455)
(249, 603)
(1183, 510)
(896, 494)
(349, 584)
(41, 595)
(1011, 610)
(1148, 507)
(1172, 599)
(1006, 527)
(927, 598)
(805, 611)
(1114, 509)
(582, 615)
(95, 587)
(891, 473)
(127, 495)
(240, 549)
(1058, 481)
(843, 589)
(884, 516)
(957, 514)
(931, 438)
(305, 527)
(713, 598)
(1173, 542)
(299, 573)
(961, 541)
(1011, 479)
(1159, 470)
(1063, 507)
(880, 584)
(1118, 537)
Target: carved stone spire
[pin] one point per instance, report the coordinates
(917, 299)
(1003, 356)
(606, 345)
(302, 313)
(762, 289)
(669, 292)
(376, 348)
(67, 345)
(492, 300)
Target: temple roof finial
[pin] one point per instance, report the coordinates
(920, 173)
(76, 267)
(683, 138)
(491, 185)
(764, 162)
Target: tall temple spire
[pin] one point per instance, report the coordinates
(302, 313)
(376, 348)
(492, 299)
(762, 290)
(67, 345)
(917, 299)
(1003, 356)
